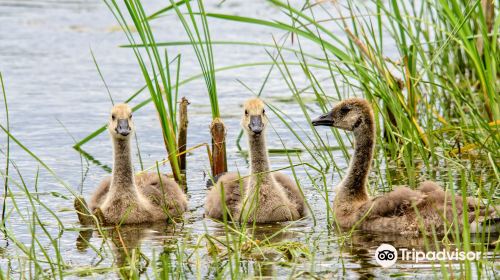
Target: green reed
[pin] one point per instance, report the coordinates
(200, 40)
(402, 99)
(7, 151)
(156, 69)
(161, 84)
(413, 106)
(39, 252)
(422, 112)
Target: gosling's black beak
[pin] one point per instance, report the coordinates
(325, 119)
(123, 128)
(256, 125)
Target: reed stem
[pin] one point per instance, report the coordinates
(218, 132)
(6, 180)
(182, 138)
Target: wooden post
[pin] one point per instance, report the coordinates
(182, 139)
(218, 132)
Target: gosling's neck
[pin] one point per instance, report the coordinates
(123, 173)
(259, 159)
(354, 184)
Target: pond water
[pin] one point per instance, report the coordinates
(55, 96)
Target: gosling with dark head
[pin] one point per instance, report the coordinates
(403, 210)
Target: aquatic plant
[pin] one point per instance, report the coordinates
(423, 113)
(7, 151)
(199, 36)
(419, 103)
(200, 40)
(158, 76)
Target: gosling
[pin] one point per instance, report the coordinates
(262, 197)
(402, 211)
(125, 198)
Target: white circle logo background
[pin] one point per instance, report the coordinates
(386, 255)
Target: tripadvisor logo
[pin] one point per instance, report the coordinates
(386, 255)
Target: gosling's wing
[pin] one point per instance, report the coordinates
(162, 191)
(392, 212)
(395, 203)
(395, 211)
(481, 217)
(292, 191)
(229, 184)
(429, 197)
(100, 193)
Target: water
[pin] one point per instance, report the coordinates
(56, 95)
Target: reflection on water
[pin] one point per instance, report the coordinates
(263, 251)
(126, 244)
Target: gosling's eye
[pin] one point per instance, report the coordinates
(344, 110)
(263, 111)
(113, 117)
(246, 112)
